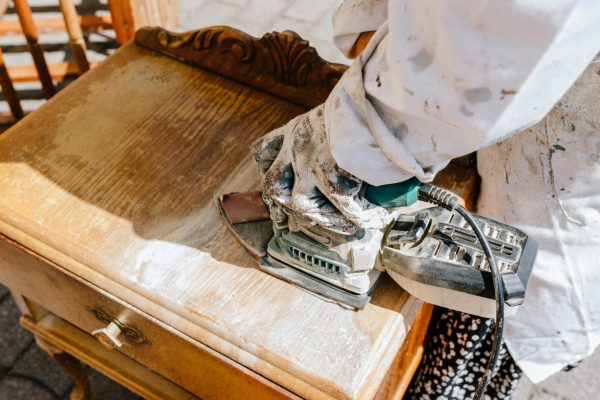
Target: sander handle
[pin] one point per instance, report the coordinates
(400, 194)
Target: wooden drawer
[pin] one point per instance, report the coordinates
(152, 343)
(59, 334)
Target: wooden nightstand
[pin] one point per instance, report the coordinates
(115, 253)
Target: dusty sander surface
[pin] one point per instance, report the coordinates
(248, 220)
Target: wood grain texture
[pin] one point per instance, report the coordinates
(408, 358)
(462, 179)
(282, 64)
(58, 71)
(76, 39)
(188, 363)
(114, 180)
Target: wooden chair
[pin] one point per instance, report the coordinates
(10, 94)
(126, 16)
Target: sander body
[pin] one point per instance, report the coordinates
(432, 253)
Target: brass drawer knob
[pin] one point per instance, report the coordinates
(109, 336)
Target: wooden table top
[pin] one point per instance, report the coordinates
(114, 180)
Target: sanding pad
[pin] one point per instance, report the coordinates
(247, 218)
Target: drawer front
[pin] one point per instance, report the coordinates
(185, 362)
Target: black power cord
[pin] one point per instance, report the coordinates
(448, 200)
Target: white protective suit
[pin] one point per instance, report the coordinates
(440, 79)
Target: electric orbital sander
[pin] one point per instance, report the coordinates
(433, 253)
(443, 255)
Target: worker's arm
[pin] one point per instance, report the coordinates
(300, 176)
(443, 79)
(436, 81)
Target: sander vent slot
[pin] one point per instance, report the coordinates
(313, 260)
(478, 260)
(464, 236)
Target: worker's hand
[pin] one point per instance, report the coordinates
(300, 175)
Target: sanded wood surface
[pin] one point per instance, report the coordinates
(188, 363)
(408, 359)
(114, 179)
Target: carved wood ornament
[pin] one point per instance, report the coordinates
(282, 64)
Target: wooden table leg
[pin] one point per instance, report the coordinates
(72, 367)
(36, 50)
(10, 95)
(76, 39)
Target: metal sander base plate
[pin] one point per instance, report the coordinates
(254, 230)
(315, 285)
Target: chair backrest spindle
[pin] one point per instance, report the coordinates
(126, 16)
(35, 48)
(76, 39)
(10, 95)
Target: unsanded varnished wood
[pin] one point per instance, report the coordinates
(88, 23)
(461, 177)
(76, 39)
(58, 71)
(8, 90)
(282, 64)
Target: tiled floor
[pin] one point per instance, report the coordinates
(26, 373)
(311, 19)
